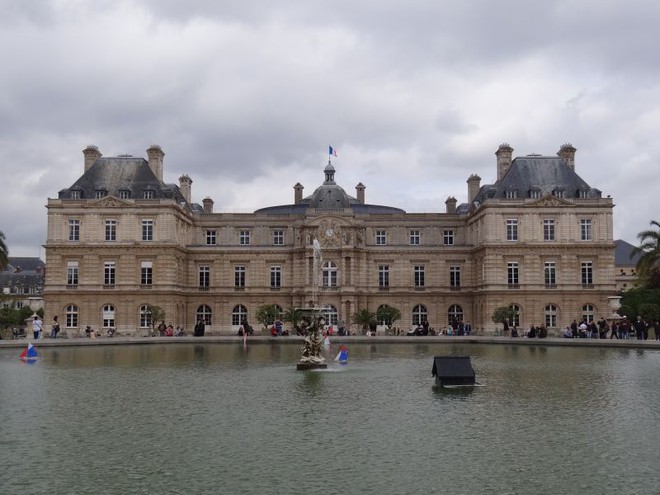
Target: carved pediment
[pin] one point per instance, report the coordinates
(550, 200)
(108, 202)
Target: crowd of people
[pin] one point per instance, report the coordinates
(619, 329)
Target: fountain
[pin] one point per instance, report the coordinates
(313, 320)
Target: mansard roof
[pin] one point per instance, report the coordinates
(543, 174)
(121, 173)
(23, 272)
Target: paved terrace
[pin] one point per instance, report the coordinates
(296, 340)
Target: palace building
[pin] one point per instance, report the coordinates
(538, 239)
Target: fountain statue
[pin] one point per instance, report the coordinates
(312, 320)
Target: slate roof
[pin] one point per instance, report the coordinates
(545, 174)
(121, 173)
(622, 253)
(23, 272)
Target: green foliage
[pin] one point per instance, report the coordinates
(10, 317)
(292, 316)
(503, 315)
(4, 252)
(156, 314)
(388, 315)
(640, 302)
(267, 314)
(365, 318)
(649, 248)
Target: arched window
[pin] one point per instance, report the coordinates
(204, 312)
(515, 315)
(551, 316)
(419, 315)
(108, 316)
(145, 316)
(331, 315)
(238, 314)
(71, 316)
(454, 315)
(588, 313)
(329, 274)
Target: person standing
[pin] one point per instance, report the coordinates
(199, 328)
(55, 329)
(37, 326)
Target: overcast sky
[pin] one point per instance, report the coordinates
(245, 97)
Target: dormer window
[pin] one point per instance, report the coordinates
(148, 194)
(75, 194)
(124, 194)
(100, 193)
(558, 193)
(511, 194)
(583, 193)
(535, 193)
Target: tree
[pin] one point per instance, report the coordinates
(155, 314)
(267, 314)
(649, 247)
(504, 315)
(388, 315)
(4, 252)
(293, 316)
(365, 318)
(640, 302)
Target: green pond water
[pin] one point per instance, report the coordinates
(217, 418)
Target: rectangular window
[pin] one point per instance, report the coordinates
(124, 194)
(74, 230)
(210, 237)
(275, 276)
(109, 271)
(414, 237)
(550, 273)
(548, 230)
(512, 229)
(383, 276)
(419, 276)
(72, 273)
(511, 194)
(587, 274)
(244, 238)
(585, 229)
(535, 194)
(204, 277)
(512, 275)
(146, 273)
(110, 230)
(239, 276)
(381, 238)
(278, 237)
(147, 230)
(454, 277)
(148, 195)
(99, 194)
(75, 194)
(448, 237)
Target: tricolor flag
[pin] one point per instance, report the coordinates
(29, 354)
(332, 151)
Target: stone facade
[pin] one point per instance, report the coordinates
(120, 239)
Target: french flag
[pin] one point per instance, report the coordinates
(332, 151)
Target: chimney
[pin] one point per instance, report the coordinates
(359, 189)
(155, 154)
(184, 185)
(451, 205)
(297, 195)
(208, 205)
(92, 154)
(474, 183)
(567, 153)
(503, 154)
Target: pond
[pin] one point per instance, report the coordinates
(220, 418)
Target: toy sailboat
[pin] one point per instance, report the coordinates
(29, 354)
(342, 357)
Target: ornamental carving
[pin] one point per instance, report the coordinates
(551, 201)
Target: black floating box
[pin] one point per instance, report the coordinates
(453, 370)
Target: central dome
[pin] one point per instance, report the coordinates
(329, 195)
